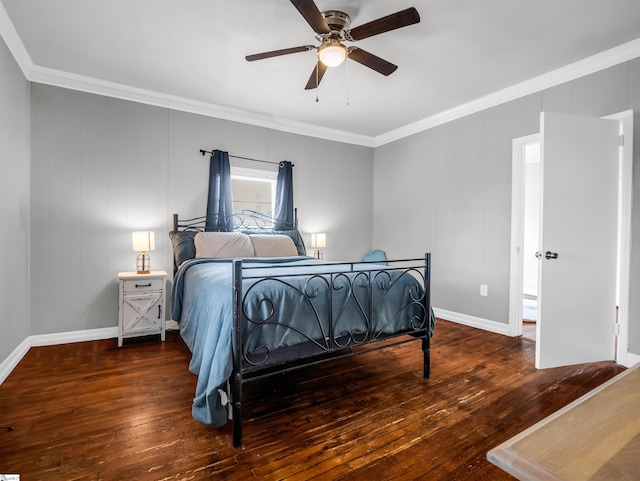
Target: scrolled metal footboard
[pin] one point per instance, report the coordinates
(292, 319)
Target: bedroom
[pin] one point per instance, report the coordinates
(72, 160)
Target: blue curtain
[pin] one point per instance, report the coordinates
(219, 207)
(284, 198)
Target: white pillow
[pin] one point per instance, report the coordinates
(273, 245)
(222, 244)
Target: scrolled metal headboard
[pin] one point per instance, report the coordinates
(245, 220)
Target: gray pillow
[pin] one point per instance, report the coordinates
(183, 246)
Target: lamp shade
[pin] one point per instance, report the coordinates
(332, 54)
(143, 241)
(319, 240)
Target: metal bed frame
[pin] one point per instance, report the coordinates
(341, 288)
(244, 220)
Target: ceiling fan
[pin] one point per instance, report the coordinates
(332, 28)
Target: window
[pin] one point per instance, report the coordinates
(253, 190)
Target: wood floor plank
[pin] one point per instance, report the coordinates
(92, 411)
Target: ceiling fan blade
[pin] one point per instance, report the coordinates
(372, 61)
(314, 80)
(385, 24)
(312, 15)
(277, 53)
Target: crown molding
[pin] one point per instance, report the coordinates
(608, 58)
(47, 76)
(14, 43)
(58, 78)
(81, 83)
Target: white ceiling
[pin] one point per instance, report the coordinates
(194, 50)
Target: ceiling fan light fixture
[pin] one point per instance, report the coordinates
(331, 28)
(332, 54)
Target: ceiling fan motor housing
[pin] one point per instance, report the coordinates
(338, 21)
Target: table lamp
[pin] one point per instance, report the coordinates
(143, 242)
(318, 241)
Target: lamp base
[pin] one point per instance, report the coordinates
(143, 263)
(318, 254)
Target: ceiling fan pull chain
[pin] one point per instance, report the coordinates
(347, 62)
(317, 85)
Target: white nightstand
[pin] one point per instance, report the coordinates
(141, 304)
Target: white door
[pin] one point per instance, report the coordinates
(577, 289)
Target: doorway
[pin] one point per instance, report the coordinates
(524, 148)
(531, 153)
(521, 277)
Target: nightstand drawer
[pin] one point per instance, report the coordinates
(141, 285)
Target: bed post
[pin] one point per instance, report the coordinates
(426, 340)
(236, 348)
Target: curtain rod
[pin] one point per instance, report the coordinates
(202, 151)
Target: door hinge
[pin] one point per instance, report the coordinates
(621, 140)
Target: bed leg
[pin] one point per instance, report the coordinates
(426, 352)
(236, 336)
(236, 400)
(426, 340)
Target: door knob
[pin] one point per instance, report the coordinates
(547, 255)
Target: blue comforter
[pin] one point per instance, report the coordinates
(202, 305)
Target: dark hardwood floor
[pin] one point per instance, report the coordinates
(91, 411)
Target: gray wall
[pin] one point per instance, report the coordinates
(14, 203)
(102, 168)
(452, 184)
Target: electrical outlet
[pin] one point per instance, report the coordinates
(484, 290)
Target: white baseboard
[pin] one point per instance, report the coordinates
(19, 352)
(629, 359)
(73, 336)
(172, 326)
(9, 364)
(13, 359)
(472, 321)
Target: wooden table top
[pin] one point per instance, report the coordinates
(595, 438)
